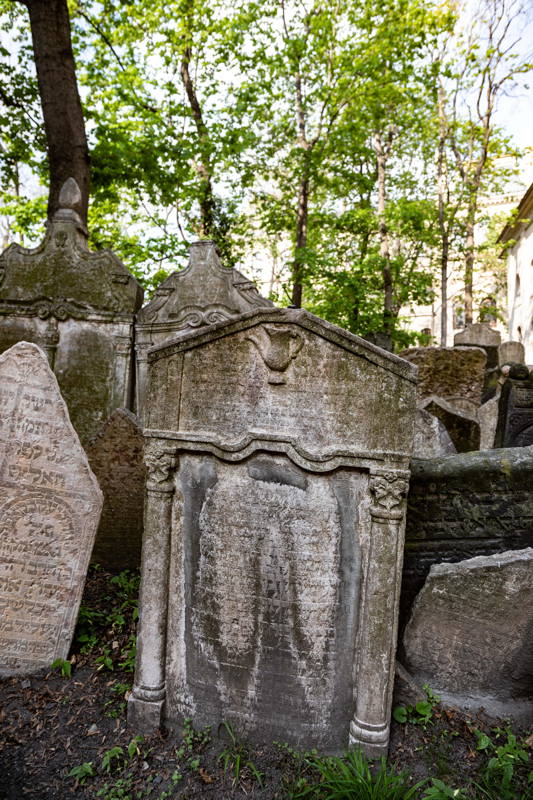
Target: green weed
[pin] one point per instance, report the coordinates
(236, 758)
(82, 772)
(64, 667)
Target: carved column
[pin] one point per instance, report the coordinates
(145, 705)
(122, 389)
(378, 621)
(50, 341)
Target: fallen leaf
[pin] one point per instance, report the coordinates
(205, 776)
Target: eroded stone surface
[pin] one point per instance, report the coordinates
(479, 334)
(515, 409)
(454, 374)
(78, 306)
(463, 428)
(511, 353)
(116, 456)
(49, 509)
(203, 293)
(431, 437)
(273, 538)
(470, 631)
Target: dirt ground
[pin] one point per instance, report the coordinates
(52, 724)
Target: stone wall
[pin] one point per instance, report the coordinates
(466, 505)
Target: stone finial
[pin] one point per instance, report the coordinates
(70, 194)
(69, 198)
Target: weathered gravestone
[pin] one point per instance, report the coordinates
(203, 293)
(79, 307)
(49, 509)
(277, 452)
(470, 635)
(116, 456)
(515, 409)
(431, 437)
(463, 428)
(480, 334)
(454, 374)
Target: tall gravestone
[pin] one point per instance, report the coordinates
(79, 307)
(49, 509)
(203, 293)
(116, 456)
(515, 409)
(277, 448)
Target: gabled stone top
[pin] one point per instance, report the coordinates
(283, 316)
(203, 293)
(478, 333)
(63, 273)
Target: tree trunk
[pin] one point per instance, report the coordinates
(443, 228)
(389, 315)
(68, 152)
(469, 268)
(301, 239)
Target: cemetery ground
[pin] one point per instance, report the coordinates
(63, 734)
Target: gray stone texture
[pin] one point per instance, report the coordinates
(277, 454)
(49, 509)
(454, 374)
(470, 633)
(79, 307)
(203, 293)
(515, 409)
(463, 506)
(431, 437)
(462, 427)
(511, 353)
(116, 456)
(480, 334)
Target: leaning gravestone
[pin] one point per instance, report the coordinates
(470, 635)
(78, 306)
(49, 509)
(116, 456)
(277, 450)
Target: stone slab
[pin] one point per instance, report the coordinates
(431, 437)
(277, 449)
(479, 334)
(50, 504)
(465, 505)
(515, 409)
(454, 374)
(463, 428)
(116, 456)
(511, 353)
(471, 628)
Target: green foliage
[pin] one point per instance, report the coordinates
(112, 758)
(64, 667)
(507, 774)
(440, 791)
(419, 714)
(82, 772)
(235, 758)
(353, 777)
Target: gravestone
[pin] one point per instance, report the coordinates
(480, 334)
(203, 293)
(277, 448)
(454, 374)
(116, 456)
(78, 306)
(470, 634)
(511, 353)
(431, 437)
(463, 428)
(515, 409)
(49, 509)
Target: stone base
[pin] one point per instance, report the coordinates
(372, 739)
(144, 716)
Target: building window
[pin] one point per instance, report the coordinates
(488, 311)
(517, 285)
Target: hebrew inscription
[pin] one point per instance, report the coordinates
(49, 509)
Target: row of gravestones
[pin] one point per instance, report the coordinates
(277, 459)
(477, 395)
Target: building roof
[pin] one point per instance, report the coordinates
(524, 212)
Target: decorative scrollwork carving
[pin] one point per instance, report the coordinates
(160, 464)
(388, 493)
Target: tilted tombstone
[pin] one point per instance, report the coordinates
(49, 509)
(203, 293)
(116, 456)
(79, 307)
(277, 450)
(463, 428)
(515, 409)
(480, 334)
(454, 374)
